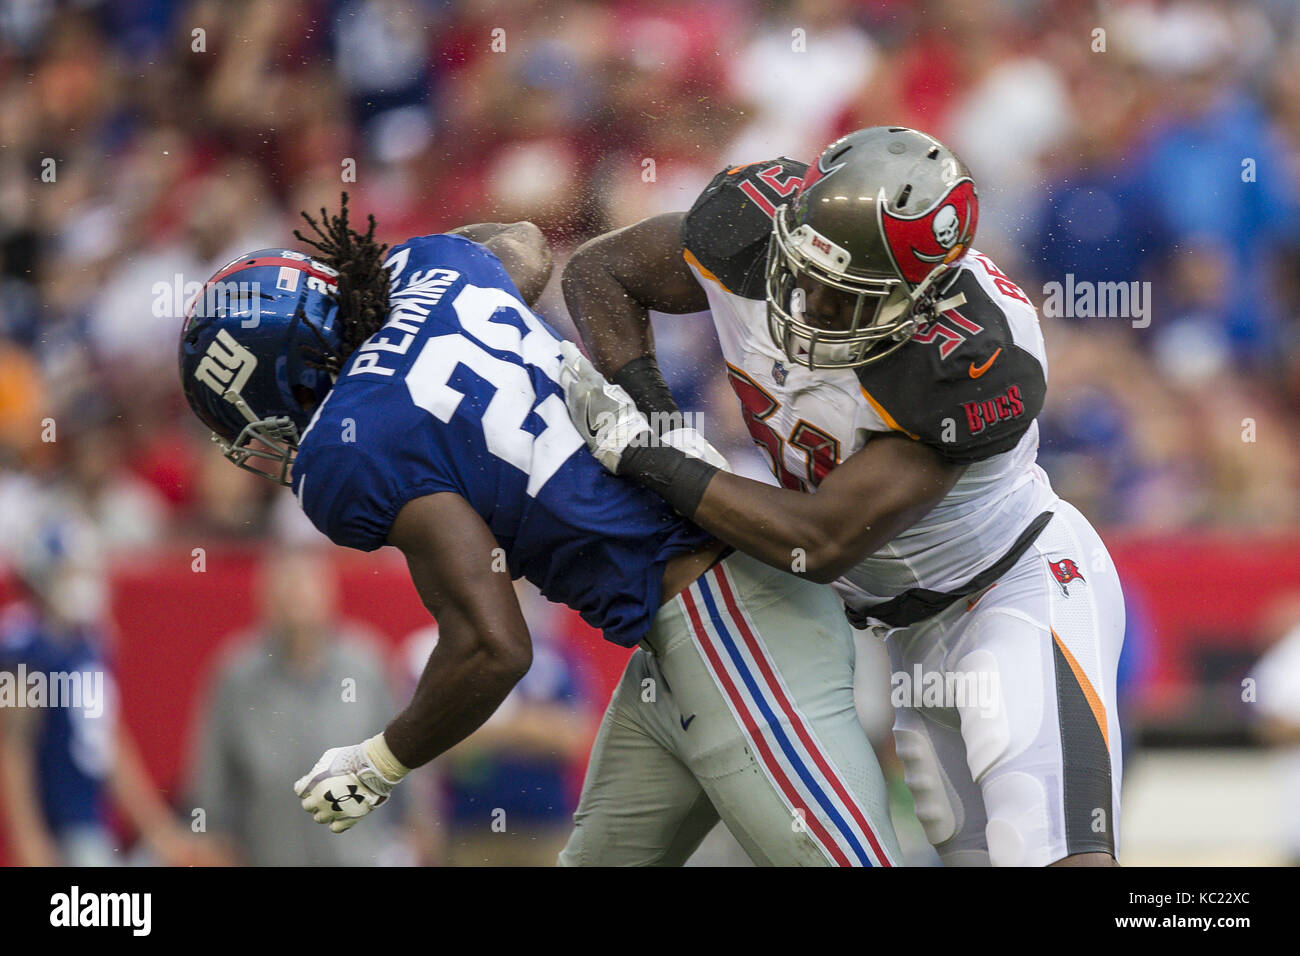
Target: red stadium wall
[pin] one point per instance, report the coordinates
(1203, 589)
(1199, 590)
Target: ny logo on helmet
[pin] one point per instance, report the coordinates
(226, 366)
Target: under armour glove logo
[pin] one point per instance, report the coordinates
(352, 794)
(342, 788)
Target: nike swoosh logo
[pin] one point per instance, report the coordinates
(977, 370)
(590, 426)
(975, 598)
(686, 722)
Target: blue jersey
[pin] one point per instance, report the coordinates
(459, 392)
(74, 746)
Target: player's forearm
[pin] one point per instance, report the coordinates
(616, 329)
(610, 285)
(459, 690)
(483, 644)
(614, 326)
(792, 530)
(468, 675)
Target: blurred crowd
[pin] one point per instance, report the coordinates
(144, 142)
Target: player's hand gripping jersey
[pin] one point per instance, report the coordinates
(458, 393)
(969, 385)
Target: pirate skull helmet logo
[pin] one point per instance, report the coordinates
(946, 226)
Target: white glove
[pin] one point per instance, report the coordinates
(694, 445)
(347, 783)
(609, 422)
(603, 413)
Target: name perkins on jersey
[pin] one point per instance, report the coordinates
(410, 308)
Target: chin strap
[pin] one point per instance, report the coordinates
(926, 311)
(950, 303)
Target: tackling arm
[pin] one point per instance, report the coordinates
(610, 285)
(860, 506)
(863, 504)
(612, 282)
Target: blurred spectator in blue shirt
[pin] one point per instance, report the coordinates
(64, 751)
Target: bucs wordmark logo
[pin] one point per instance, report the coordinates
(1065, 571)
(939, 234)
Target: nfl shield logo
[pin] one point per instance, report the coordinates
(779, 372)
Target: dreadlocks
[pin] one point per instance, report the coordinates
(362, 293)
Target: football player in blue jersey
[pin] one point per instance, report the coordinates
(411, 398)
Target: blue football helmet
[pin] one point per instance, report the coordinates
(251, 352)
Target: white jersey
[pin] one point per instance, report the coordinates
(969, 384)
(1028, 772)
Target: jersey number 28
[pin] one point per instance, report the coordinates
(513, 398)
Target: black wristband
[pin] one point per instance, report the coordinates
(642, 380)
(670, 473)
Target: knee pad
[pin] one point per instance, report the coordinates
(939, 814)
(1019, 827)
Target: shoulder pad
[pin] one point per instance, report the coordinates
(961, 385)
(726, 232)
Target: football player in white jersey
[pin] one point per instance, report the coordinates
(892, 375)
